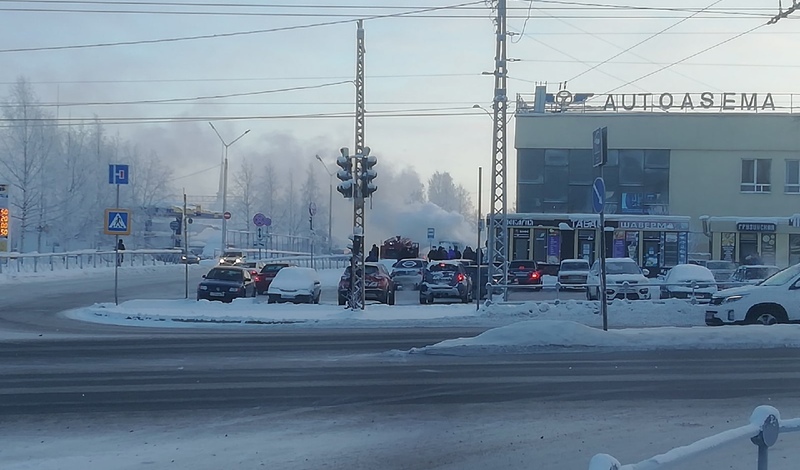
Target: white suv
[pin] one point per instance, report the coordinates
(624, 280)
(774, 300)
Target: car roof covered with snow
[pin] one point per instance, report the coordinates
(294, 277)
(690, 272)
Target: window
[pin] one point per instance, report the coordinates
(792, 176)
(530, 164)
(631, 167)
(756, 175)
(581, 170)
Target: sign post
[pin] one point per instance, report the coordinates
(431, 236)
(600, 157)
(4, 220)
(117, 222)
(260, 220)
(312, 211)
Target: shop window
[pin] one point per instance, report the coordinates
(632, 246)
(651, 246)
(768, 248)
(521, 243)
(792, 176)
(530, 165)
(581, 170)
(727, 249)
(756, 175)
(794, 249)
(540, 245)
(748, 248)
(586, 245)
(671, 252)
(631, 167)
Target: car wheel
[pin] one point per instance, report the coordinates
(766, 315)
(316, 300)
(272, 299)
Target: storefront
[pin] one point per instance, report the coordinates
(754, 240)
(654, 242)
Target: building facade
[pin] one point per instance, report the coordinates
(720, 162)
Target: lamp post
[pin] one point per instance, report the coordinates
(330, 204)
(225, 181)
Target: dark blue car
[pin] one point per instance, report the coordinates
(226, 283)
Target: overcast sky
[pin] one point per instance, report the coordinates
(414, 65)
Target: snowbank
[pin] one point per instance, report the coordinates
(535, 335)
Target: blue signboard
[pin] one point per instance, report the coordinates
(431, 233)
(117, 222)
(598, 195)
(683, 247)
(118, 174)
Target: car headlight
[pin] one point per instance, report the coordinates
(203, 288)
(234, 289)
(733, 298)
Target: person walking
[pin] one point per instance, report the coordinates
(120, 249)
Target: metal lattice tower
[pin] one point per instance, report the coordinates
(498, 220)
(356, 298)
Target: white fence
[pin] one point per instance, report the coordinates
(763, 430)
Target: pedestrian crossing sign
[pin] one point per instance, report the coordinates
(117, 222)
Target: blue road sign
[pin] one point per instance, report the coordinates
(117, 222)
(431, 233)
(260, 220)
(598, 195)
(600, 146)
(267, 222)
(118, 174)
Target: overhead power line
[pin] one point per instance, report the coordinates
(232, 34)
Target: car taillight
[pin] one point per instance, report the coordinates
(459, 277)
(534, 275)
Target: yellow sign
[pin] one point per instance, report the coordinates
(3, 223)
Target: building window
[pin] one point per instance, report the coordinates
(792, 176)
(756, 175)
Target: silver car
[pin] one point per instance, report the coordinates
(408, 272)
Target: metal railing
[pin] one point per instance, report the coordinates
(40, 262)
(763, 430)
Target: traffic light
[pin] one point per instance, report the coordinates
(356, 244)
(368, 173)
(344, 161)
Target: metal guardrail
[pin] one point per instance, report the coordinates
(763, 430)
(39, 262)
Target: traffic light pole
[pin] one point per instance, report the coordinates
(356, 300)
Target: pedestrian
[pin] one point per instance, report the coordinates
(120, 249)
(373, 254)
(442, 254)
(451, 253)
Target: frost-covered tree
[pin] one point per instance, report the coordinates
(245, 192)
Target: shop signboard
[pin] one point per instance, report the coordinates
(683, 248)
(553, 246)
(755, 227)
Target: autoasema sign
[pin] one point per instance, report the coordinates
(690, 101)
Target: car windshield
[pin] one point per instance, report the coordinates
(721, 265)
(232, 254)
(575, 266)
(409, 264)
(622, 268)
(759, 272)
(782, 277)
(272, 268)
(225, 274)
(443, 267)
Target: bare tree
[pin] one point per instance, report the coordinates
(244, 190)
(443, 192)
(26, 147)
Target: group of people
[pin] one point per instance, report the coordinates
(441, 253)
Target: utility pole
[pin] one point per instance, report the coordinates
(784, 13)
(356, 300)
(498, 220)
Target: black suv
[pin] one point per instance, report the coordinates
(525, 272)
(445, 280)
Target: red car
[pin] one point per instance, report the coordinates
(267, 274)
(378, 284)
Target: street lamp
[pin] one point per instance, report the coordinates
(330, 204)
(225, 182)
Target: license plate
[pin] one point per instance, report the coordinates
(216, 294)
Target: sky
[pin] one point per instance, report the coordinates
(415, 64)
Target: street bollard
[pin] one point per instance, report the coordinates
(768, 436)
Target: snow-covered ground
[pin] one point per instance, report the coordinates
(520, 435)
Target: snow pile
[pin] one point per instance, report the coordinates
(535, 335)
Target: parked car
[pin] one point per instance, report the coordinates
(686, 280)
(408, 272)
(623, 277)
(267, 274)
(722, 270)
(231, 257)
(445, 279)
(573, 271)
(378, 284)
(750, 274)
(295, 284)
(525, 272)
(775, 300)
(190, 258)
(478, 288)
(225, 284)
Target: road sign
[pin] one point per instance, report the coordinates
(431, 233)
(598, 195)
(118, 174)
(600, 146)
(260, 233)
(117, 222)
(226, 216)
(267, 222)
(260, 220)
(312, 209)
(174, 225)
